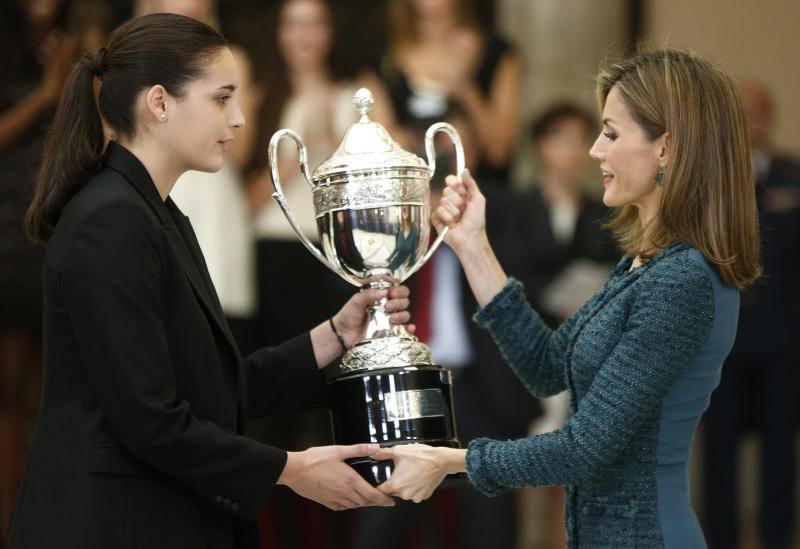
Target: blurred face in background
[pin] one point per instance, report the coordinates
(758, 108)
(562, 150)
(433, 8)
(196, 9)
(42, 12)
(304, 34)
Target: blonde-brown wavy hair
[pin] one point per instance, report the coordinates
(708, 193)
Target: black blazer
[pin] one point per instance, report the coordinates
(139, 441)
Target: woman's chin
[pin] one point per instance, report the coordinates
(609, 199)
(211, 165)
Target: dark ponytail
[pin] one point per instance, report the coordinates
(161, 48)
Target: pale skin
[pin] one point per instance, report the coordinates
(176, 134)
(628, 161)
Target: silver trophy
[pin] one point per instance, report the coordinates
(372, 207)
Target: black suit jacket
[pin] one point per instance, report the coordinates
(139, 441)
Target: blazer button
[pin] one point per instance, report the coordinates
(226, 502)
(234, 506)
(217, 499)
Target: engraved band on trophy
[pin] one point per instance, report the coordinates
(372, 206)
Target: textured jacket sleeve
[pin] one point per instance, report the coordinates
(669, 322)
(536, 353)
(284, 379)
(112, 283)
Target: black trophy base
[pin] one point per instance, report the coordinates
(394, 406)
(378, 472)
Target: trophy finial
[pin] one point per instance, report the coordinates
(363, 102)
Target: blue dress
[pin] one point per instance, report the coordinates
(640, 360)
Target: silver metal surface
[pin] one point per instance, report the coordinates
(281, 199)
(385, 352)
(372, 203)
(414, 404)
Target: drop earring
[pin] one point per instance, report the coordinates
(660, 177)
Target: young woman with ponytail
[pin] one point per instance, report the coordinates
(139, 441)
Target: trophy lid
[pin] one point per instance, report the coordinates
(367, 146)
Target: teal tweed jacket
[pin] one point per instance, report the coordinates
(640, 360)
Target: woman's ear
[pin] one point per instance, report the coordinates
(156, 100)
(663, 150)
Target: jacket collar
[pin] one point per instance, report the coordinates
(181, 235)
(185, 241)
(624, 264)
(121, 160)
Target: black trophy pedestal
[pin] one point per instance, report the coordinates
(378, 472)
(393, 406)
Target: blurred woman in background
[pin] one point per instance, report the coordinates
(439, 56)
(301, 92)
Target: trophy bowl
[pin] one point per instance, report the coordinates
(372, 207)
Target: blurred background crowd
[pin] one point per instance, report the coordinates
(515, 78)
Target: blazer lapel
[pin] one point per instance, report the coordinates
(185, 242)
(123, 161)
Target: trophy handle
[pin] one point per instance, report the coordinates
(281, 200)
(430, 151)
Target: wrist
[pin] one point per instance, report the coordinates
(474, 248)
(452, 460)
(338, 335)
(290, 469)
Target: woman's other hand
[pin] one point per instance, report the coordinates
(321, 474)
(419, 469)
(462, 210)
(351, 320)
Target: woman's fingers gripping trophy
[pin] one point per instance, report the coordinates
(462, 210)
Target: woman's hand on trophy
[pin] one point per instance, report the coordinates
(418, 469)
(320, 474)
(351, 320)
(462, 210)
(333, 337)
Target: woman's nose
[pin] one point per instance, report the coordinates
(237, 121)
(596, 151)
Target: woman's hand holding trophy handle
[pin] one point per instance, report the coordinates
(430, 151)
(462, 211)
